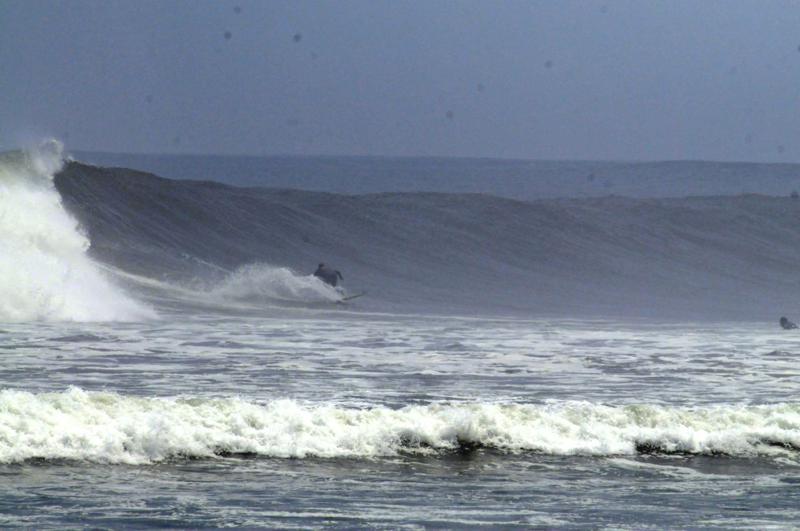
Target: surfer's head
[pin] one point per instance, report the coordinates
(321, 265)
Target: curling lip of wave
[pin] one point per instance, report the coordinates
(46, 273)
(107, 427)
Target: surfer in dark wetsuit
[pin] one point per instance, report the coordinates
(328, 275)
(786, 324)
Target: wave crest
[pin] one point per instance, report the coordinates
(46, 273)
(107, 427)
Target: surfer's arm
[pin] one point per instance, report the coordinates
(339, 275)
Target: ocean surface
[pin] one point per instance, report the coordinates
(606, 363)
(516, 179)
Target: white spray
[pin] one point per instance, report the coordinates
(263, 281)
(45, 271)
(113, 428)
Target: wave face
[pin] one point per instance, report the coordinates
(112, 428)
(700, 257)
(45, 271)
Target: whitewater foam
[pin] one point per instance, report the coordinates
(259, 282)
(45, 272)
(113, 428)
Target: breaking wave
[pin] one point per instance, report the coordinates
(111, 428)
(45, 272)
(684, 258)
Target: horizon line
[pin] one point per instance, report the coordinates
(429, 157)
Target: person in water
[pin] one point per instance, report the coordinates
(328, 275)
(786, 324)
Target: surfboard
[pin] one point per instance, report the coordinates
(351, 297)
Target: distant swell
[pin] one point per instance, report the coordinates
(45, 271)
(112, 428)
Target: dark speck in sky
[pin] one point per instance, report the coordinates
(449, 115)
(781, 149)
(149, 98)
(548, 64)
(604, 9)
(480, 87)
(176, 140)
(237, 9)
(228, 35)
(297, 37)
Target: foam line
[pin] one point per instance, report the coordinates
(112, 428)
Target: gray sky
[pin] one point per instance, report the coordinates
(553, 79)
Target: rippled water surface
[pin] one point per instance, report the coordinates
(391, 360)
(261, 387)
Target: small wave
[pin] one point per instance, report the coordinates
(107, 427)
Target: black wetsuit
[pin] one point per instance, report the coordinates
(328, 275)
(786, 324)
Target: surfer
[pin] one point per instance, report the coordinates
(328, 275)
(786, 324)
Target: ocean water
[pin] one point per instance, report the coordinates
(168, 363)
(326, 418)
(517, 179)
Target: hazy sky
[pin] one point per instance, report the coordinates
(526, 79)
